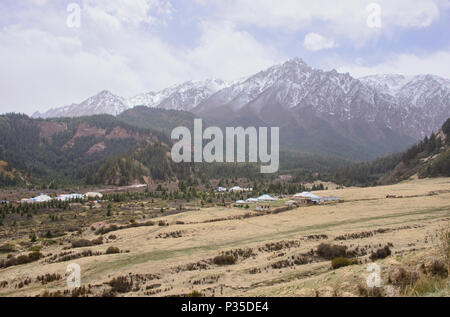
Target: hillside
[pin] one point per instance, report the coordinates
(326, 113)
(159, 119)
(66, 150)
(428, 158)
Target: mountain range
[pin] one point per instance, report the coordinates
(323, 112)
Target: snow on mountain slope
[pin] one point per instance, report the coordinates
(103, 103)
(411, 91)
(410, 105)
(413, 106)
(295, 84)
(179, 97)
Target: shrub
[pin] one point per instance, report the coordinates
(438, 268)
(112, 250)
(403, 278)
(81, 243)
(23, 259)
(86, 243)
(340, 262)
(6, 248)
(329, 252)
(120, 284)
(365, 291)
(36, 248)
(443, 241)
(224, 260)
(426, 286)
(194, 294)
(381, 253)
(97, 241)
(34, 256)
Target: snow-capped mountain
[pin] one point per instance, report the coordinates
(295, 84)
(185, 97)
(413, 106)
(179, 97)
(426, 98)
(104, 102)
(316, 108)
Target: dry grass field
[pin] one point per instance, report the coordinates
(273, 255)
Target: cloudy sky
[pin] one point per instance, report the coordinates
(134, 46)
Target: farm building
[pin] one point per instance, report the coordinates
(262, 207)
(69, 197)
(236, 189)
(307, 198)
(266, 198)
(41, 199)
(93, 195)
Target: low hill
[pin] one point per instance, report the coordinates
(429, 158)
(65, 150)
(158, 119)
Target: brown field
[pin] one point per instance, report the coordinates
(273, 252)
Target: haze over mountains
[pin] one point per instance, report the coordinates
(323, 112)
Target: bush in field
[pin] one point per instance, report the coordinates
(112, 250)
(120, 284)
(6, 248)
(81, 243)
(224, 260)
(443, 242)
(340, 262)
(23, 259)
(34, 256)
(194, 294)
(87, 243)
(381, 253)
(329, 252)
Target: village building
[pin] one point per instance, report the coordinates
(306, 198)
(236, 189)
(266, 198)
(93, 195)
(70, 197)
(41, 199)
(262, 207)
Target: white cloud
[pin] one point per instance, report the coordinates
(316, 42)
(347, 18)
(125, 12)
(228, 53)
(57, 72)
(406, 64)
(50, 65)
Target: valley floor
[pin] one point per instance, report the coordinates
(275, 253)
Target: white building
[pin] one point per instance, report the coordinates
(70, 197)
(266, 198)
(93, 195)
(41, 199)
